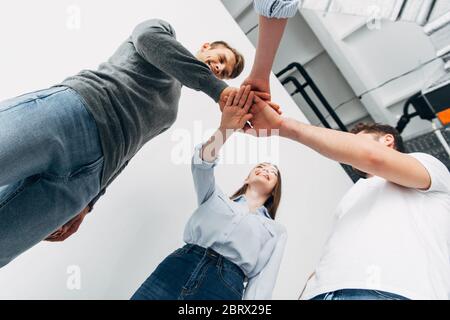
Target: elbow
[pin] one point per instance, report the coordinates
(152, 27)
(372, 160)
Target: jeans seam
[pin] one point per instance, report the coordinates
(17, 192)
(83, 171)
(33, 99)
(196, 277)
(179, 252)
(384, 295)
(227, 284)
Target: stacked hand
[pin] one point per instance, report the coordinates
(246, 109)
(260, 85)
(235, 113)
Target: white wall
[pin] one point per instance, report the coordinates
(142, 217)
(368, 57)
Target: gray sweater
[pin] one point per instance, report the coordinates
(134, 96)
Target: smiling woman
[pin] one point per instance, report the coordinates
(228, 241)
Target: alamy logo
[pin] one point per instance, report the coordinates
(373, 279)
(238, 151)
(374, 20)
(74, 278)
(73, 21)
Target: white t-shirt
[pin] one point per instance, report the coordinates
(390, 238)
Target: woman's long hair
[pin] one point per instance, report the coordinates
(273, 201)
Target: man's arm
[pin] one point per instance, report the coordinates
(270, 34)
(272, 23)
(155, 41)
(368, 156)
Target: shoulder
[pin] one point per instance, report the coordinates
(152, 24)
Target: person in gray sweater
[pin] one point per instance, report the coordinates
(61, 147)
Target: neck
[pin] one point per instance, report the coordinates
(254, 199)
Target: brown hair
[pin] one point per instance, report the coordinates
(381, 129)
(240, 61)
(274, 200)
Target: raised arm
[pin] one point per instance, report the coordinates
(234, 117)
(273, 18)
(366, 155)
(155, 41)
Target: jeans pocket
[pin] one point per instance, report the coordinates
(79, 173)
(178, 253)
(88, 169)
(232, 281)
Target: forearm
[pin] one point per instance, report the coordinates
(156, 43)
(211, 149)
(270, 33)
(366, 155)
(336, 145)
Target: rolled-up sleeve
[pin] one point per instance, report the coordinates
(439, 174)
(203, 175)
(276, 8)
(261, 286)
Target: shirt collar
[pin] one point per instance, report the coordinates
(261, 210)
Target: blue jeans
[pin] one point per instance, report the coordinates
(50, 166)
(193, 273)
(359, 294)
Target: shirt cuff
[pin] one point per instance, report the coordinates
(280, 9)
(198, 162)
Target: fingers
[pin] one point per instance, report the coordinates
(72, 229)
(246, 118)
(259, 104)
(263, 95)
(230, 99)
(68, 229)
(238, 96)
(275, 107)
(249, 102)
(257, 99)
(245, 96)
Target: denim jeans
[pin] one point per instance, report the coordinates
(193, 273)
(50, 166)
(359, 294)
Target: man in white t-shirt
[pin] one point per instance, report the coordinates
(391, 237)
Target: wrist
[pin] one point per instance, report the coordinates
(289, 128)
(259, 74)
(225, 132)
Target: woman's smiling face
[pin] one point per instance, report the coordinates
(265, 176)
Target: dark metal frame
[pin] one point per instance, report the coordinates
(301, 88)
(422, 110)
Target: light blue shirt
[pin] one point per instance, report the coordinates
(276, 8)
(253, 241)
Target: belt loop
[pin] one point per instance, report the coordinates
(219, 261)
(188, 248)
